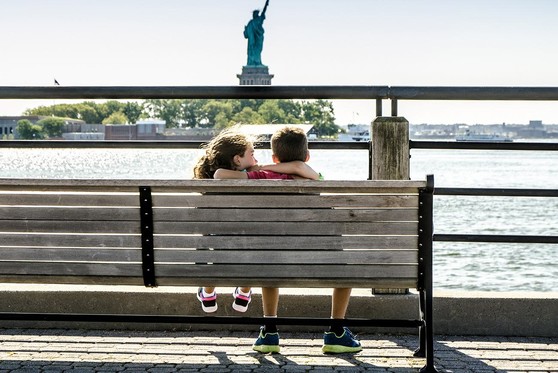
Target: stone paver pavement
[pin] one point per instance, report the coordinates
(87, 351)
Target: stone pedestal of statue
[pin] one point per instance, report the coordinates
(255, 75)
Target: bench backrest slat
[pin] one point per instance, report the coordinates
(284, 201)
(73, 240)
(79, 269)
(285, 214)
(71, 214)
(284, 275)
(60, 198)
(70, 254)
(249, 243)
(283, 257)
(72, 226)
(287, 228)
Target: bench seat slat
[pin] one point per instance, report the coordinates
(252, 215)
(284, 201)
(286, 242)
(285, 228)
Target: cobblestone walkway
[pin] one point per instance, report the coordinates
(86, 351)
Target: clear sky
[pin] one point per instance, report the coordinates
(307, 42)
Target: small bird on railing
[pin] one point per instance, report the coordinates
(56, 82)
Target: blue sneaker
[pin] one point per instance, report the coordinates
(339, 345)
(267, 343)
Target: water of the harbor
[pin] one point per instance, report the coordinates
(462, 266)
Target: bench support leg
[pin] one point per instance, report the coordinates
(426, 333)
(421, 350)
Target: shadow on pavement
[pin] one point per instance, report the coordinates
(99, 350)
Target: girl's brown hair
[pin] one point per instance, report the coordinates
(220, 152)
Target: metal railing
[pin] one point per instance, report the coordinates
(377, 93)
(360, 92)
(495, 192)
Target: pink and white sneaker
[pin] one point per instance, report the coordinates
(208, 303)
(241, 301)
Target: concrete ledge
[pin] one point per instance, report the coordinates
(455, 313)
(520, 314)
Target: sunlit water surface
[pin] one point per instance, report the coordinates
(464, 266)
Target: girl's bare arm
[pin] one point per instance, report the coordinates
(223, 173)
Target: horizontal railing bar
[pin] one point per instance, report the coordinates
(84, 144)
(495, 238)
(497, 192)
(333, 145)
(474, 93)
(485, 145)
(196, 92)
(203, 319)
(339, 145)
(163, 144)
(281, 92)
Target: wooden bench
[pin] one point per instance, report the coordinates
(361, 234)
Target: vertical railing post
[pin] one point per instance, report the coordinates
(390, 159)
(426, 232)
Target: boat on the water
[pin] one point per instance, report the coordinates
(361, 136)
(480, 137)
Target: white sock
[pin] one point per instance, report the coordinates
(208, 294)
(243, 293)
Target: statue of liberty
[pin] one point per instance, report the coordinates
(254, 32)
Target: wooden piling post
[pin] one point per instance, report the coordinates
(390, 159)
(390, 148)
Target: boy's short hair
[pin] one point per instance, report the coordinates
(290, 144)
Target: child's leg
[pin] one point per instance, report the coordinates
(208, 290)
(270, 303)
(340, 302)
(339, 339)
(268, 339)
